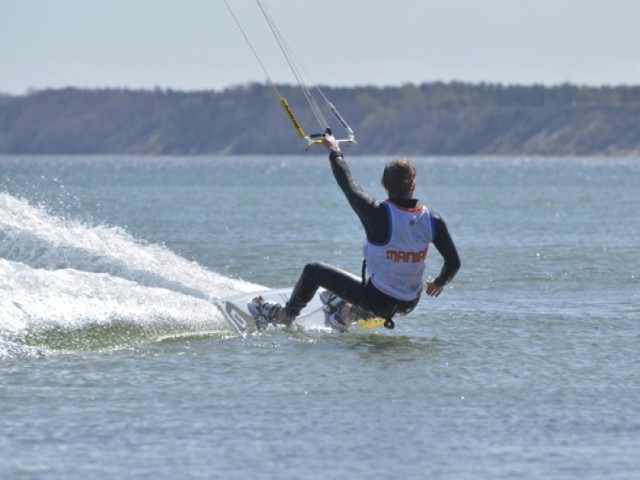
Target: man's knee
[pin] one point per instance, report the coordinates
(311, 269)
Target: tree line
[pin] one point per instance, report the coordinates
(428, 119)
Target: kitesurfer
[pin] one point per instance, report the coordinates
(398, 233)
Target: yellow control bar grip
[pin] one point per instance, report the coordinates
(292, 117)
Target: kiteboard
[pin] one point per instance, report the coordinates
(323, 312)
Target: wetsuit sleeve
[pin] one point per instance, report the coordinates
(372, 214)
(444, 243)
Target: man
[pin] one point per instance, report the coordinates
(398, 233)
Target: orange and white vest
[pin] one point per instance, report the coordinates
(396, 266)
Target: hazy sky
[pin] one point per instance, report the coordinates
(194, 44)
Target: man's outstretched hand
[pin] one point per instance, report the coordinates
(330, 142)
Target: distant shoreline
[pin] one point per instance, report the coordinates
(433, 119)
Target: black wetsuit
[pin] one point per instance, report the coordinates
(375, 220)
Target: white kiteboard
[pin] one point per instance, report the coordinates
(235, 310)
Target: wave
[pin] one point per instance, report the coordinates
(66, 285)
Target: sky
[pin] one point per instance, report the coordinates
(195, 44)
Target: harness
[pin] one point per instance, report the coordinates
(388, 320)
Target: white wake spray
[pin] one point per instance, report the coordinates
(59, 274)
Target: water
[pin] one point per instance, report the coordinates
(113, 363)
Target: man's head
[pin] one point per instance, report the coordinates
(399, 178)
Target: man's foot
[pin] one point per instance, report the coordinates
(267, 313)
(336, 311)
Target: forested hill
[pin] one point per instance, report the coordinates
(429, 119)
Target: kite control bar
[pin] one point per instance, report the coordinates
(315, 108)
(314, 138)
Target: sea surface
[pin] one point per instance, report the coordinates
(114, 363)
